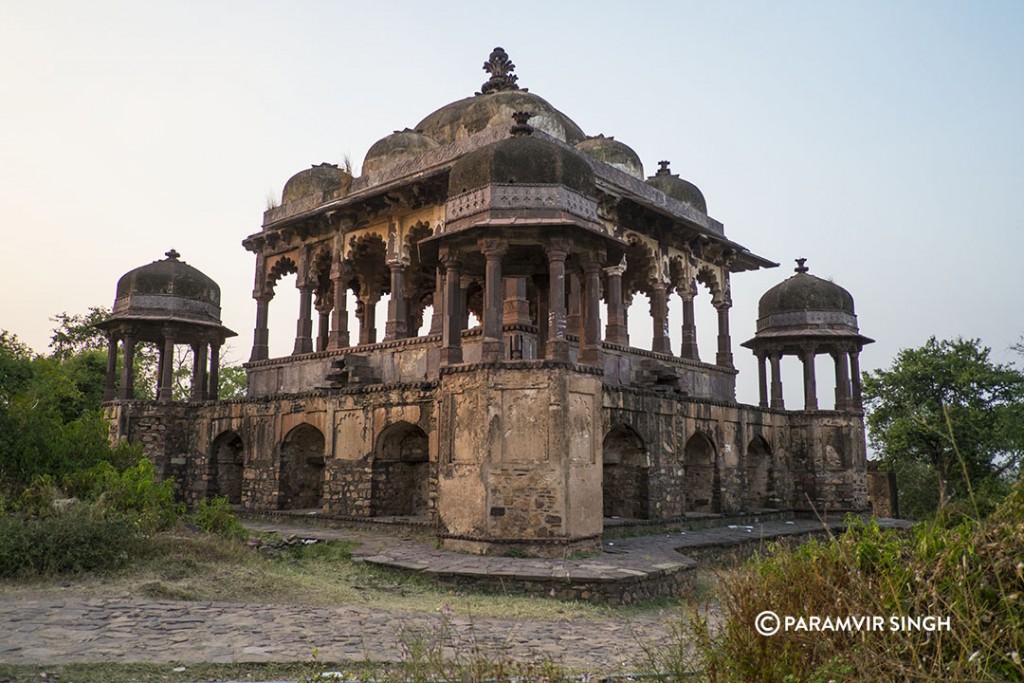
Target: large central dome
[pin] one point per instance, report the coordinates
(493, 107)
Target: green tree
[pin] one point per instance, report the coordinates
(949, 406)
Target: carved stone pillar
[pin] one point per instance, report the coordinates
(762, 380)
(660, 343)
(590, 348)
(437, 301)
(689, 348)
(557, 344)
(856, 398)
(724, 355)
(397, 326)
(516, 309)
(627, 301)
(109, 390)
(323, 331)
(339, 337)
(543, 297)
(842, 379)
(810, 387)
(304, 325)
(368, 317)
(261, 335)
(573, 316)
(199, 371)
(128, 368)
(777, 399)
(166, 391)
(615, 330)
(493, 346)
(213, 391)
(451, 334)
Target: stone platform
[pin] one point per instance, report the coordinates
(627, 571)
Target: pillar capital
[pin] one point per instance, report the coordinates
(492, 247)
(616, 270)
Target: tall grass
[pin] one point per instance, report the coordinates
(968, 570)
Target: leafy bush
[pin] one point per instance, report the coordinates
(76, 538)
(215, 516)
(134, 492)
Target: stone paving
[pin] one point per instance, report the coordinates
(43, 628)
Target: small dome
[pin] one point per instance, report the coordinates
(805, 292)
(399, 146)
(317, 179)
(614, 153)
(522, 159)
(169, 289)
(677, 188)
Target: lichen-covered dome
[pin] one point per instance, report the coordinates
(168, 289)
(493, 106)
(677, 188)
(805, 292)
(522, 159)
(463, 118)
(317, 179)
(614, 153)
(399, 146)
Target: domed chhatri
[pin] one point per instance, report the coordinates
(677, 188)
(168, 289)
(166, 303)
(399, 146)
(522, 159)
(614, 153)
(494, 105)
(806, 316)
(316, 180)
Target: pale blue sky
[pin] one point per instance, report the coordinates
(881, 140)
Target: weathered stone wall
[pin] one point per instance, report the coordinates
(519, 453)
(514, 454)
(882, 491)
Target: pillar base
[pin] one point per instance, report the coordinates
(451, 355)
(558, 349)
(302, 346)
(492, 350)
(723, 360)
(259, 352)
(616, 334)
(337, 340)
(395, 330)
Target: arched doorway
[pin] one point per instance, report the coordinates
(226, 467)
(759, 472)
(700, 475)
(401, 472)
(302, 468)
(625, 474)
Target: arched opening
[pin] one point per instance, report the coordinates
(759, 473)
(401, 472)
(625, 474)
(226, 466)
(700, 475)
(302, 468)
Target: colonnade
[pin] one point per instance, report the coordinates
(847, 373)
(205, 367)
(567, 304)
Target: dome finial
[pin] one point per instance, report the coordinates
(522, 125)
(800, 267)
(663, 168)
(172, 255)
(500, 67)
